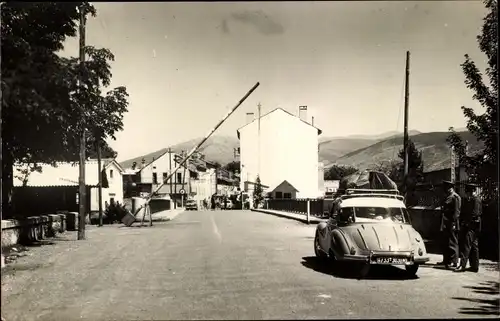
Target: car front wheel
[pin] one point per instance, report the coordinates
(412, 269)
(317, 247)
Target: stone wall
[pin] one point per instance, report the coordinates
(31, 229)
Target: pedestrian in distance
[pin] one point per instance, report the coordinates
(450, 208)
(470, 219)
(212, 199)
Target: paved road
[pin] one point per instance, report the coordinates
(222, 265)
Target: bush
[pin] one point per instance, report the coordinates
(114, 213)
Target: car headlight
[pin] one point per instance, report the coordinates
(420, 252)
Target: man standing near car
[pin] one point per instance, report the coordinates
(470, 227)
(450, 225)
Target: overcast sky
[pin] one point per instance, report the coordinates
(185, 64)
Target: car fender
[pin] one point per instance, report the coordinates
(340, 242)
(321, 228)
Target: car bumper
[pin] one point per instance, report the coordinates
(407, 258)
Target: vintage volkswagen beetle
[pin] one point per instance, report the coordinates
(368, 227)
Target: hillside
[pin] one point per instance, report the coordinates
(331, 148)
(435, 150)
(220, 148)
(216, 149)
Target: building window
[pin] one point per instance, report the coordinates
(165, 175)
(288, 195)
(179, 178)
(279, 195)
(155, 178)
(110, 173)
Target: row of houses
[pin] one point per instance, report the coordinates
(53, 188)
(197, 179)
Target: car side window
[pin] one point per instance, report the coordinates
(346, 215)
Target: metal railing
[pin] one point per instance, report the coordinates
(315, 207)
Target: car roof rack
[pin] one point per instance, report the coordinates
(387, 193)
(371, 191)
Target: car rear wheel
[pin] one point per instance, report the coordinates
(317, 247)
(412, 269)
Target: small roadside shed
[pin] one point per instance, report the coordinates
(284, 190)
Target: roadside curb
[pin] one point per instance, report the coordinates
(312, 220)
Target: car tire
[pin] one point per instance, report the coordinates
(317, 250)
(412, 269)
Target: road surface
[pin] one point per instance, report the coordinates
(223, 265)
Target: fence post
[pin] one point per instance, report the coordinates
(308, 209)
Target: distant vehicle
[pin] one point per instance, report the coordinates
(370, 227)
(191, 205)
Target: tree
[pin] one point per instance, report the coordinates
(48, 100)
(257, 192)
(415, 172)
(482, 167)
(233, 167)
(337, 172)
(415, 165)
(392, 168)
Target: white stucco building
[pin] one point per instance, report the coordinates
(204, 187)
(288, 151)
(66, 174)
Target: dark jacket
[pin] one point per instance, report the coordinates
(472, 209)
(450, 208)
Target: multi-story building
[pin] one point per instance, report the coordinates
(284, 148)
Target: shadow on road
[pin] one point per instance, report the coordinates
(347, 272)
(483, 305)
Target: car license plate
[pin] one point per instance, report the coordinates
(390, 260)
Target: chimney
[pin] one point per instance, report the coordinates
(303, 113)
(250, 117)
(312, 120)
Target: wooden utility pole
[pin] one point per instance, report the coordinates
(407, 97)
(258, 121)
(453, 164)
(170, 171)
(99, 170)
(81, 180)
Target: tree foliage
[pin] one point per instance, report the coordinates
(395, 170)
(233, 167)
(337, 172)
(391, 168)
(482, 167)
(48, 100)
(258, 192)
(415, 166)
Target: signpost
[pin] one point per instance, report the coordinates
(183, 192)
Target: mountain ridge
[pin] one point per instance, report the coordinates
(359, 152)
